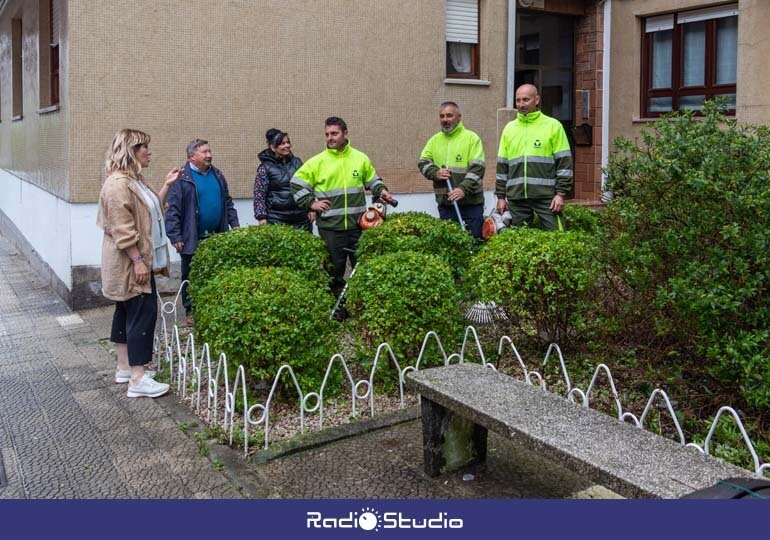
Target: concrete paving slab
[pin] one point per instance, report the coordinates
(66, 429)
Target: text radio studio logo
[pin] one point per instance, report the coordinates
(369, 519)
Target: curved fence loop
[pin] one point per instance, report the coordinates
(600, 368)
(385, 347)
(509, 341)
(582, 395)
(696, 446)
(320, 407)
(214, 383)
(266, 405)
(167, 346)
(659, 392)
(472, 330)
(240, 381)
(565, 375)
(423, 347)
(540, 381)
(307, 397)
(729, 410)
(197, 370)
(453, 358)
(185, 361)
(365, 383)
(630, 417)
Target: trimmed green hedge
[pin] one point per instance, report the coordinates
(265, 317)
(255, 247)
(543, 278)
(398, 298)
(420, 233)
(582, 218)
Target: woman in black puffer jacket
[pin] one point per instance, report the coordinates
(273, 202)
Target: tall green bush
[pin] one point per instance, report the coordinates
(265, 317)
(687, 238)
(582, 218)
(545, 279)
(398, 298)
(420, 233)
(253, 247)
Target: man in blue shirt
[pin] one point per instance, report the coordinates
(199, 205)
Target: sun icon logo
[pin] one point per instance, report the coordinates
(369, 520)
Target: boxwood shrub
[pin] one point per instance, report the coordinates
(398, 298)
(582, 218)
(420, 233)
(543, 278)
(252, 247)
(265, 317)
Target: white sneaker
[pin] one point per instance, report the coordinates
(147, 387)
(122, 376)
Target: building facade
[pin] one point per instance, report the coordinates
(72, 72)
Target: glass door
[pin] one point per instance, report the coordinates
(545, 57)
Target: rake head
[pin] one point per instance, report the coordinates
(485, 313)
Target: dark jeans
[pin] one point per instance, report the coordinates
(472, 215)
(341, 246)
(186, 260)
(524, 210)
(134, 325)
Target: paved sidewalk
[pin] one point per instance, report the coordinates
(66, 429)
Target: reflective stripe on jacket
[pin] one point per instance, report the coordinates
(534, 160)
(461, 151)
(341, 177)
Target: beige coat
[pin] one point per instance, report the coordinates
(126, 220)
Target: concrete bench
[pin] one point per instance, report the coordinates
(462, 401)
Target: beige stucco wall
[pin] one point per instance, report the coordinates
(34, 147)
(753, 100)
(229, 71)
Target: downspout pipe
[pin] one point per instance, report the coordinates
(511, 62)
(606, 195)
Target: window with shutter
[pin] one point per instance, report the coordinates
(462, 39)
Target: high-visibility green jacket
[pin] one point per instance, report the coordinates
(534, 160)
(341, 177)
(460, 151)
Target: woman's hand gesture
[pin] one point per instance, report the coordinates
(173, 176)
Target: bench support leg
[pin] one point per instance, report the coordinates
(449, 440)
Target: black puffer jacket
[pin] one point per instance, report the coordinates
(277, 175)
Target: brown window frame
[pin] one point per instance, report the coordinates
(17, 69)
(48, 56)
(55, 74)
(677, 90)
(475, 72)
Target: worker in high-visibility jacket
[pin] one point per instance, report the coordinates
(332, 184)
(456, 154)
(534, 165)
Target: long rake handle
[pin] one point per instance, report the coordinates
(454, 203)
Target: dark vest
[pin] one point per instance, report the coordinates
(280, 203)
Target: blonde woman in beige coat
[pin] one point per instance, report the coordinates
(134, 248)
